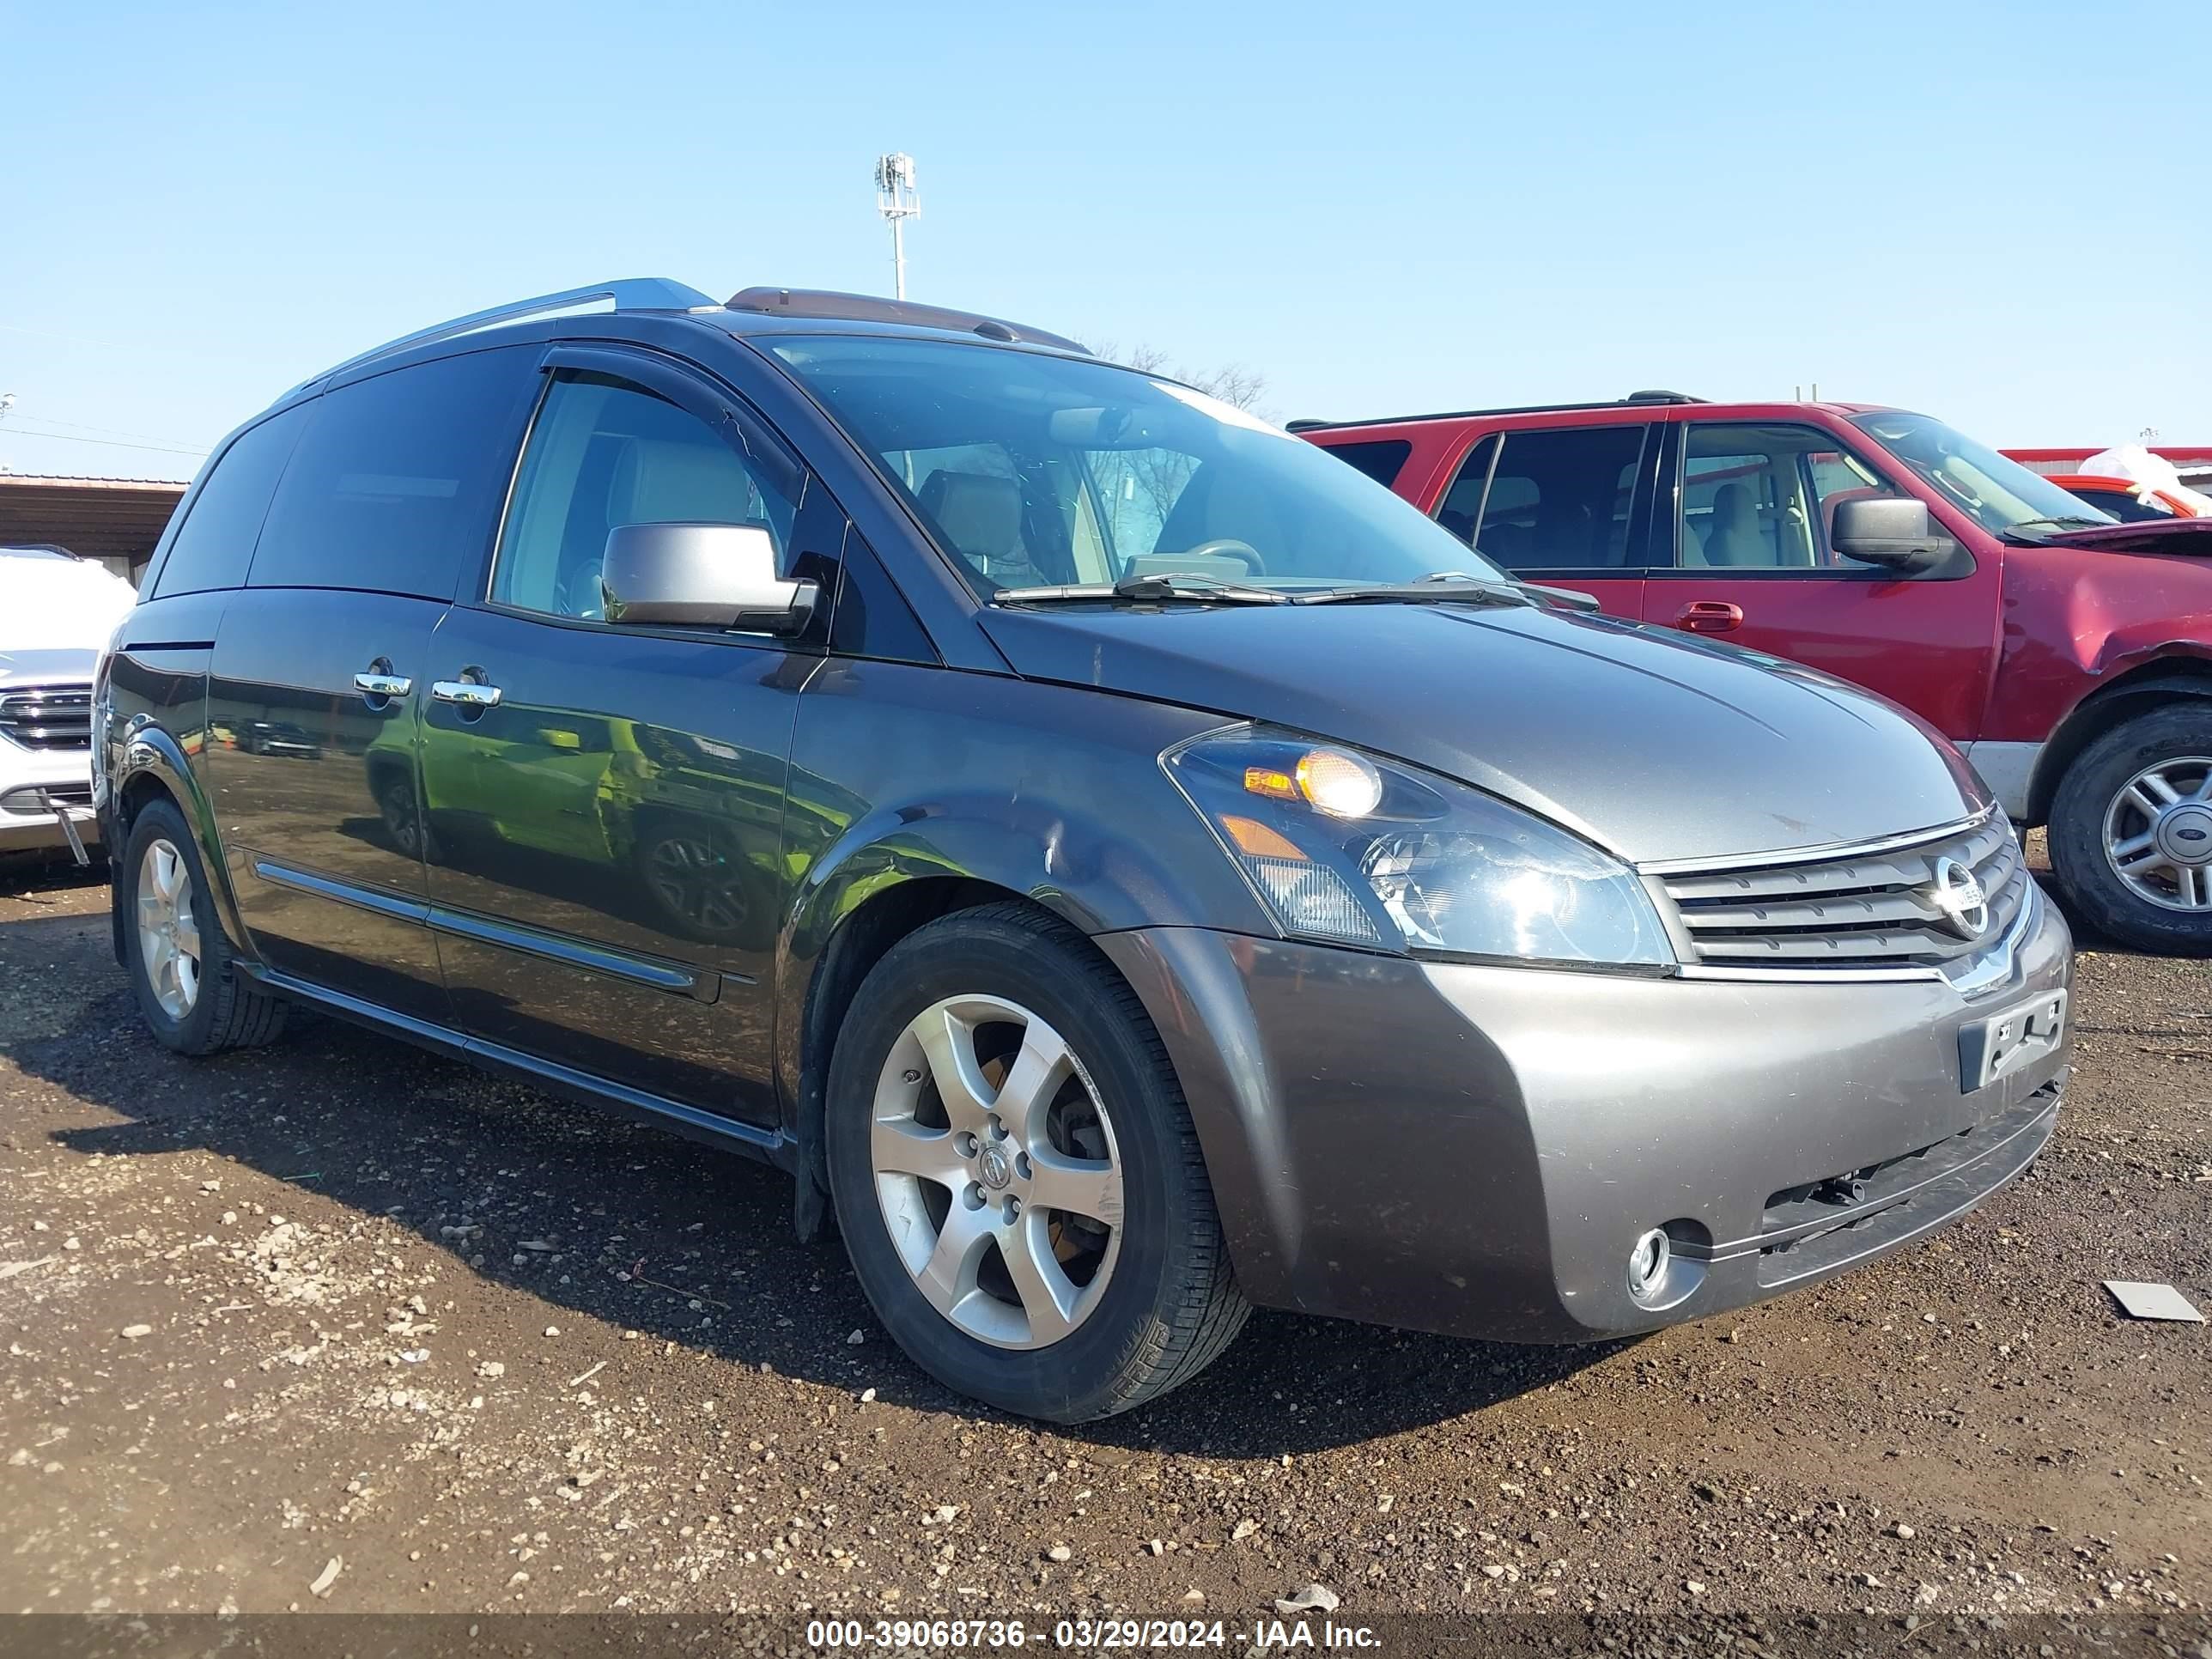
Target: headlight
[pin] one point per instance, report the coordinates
(1346, 847)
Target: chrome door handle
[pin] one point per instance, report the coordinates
(467, 693)
(382, 685)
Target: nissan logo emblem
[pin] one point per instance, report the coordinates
(1959, 896)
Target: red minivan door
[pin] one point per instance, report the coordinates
(1747, 506)
(1567, 505)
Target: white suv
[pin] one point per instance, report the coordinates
(57, 611)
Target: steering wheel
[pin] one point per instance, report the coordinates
(1226, 547)
(576, 594)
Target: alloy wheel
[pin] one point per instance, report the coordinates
(997, 1171)
(2158, 834)
(168, 932)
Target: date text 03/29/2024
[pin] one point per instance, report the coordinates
(830, 1635)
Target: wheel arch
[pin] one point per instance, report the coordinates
(1093, 837)
(383, 763)
(867, 921)
(152, 767)
(2136, 692)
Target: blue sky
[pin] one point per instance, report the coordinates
(1382, 208)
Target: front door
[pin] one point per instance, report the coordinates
(1560, 505)
(605, 804)
(1752, 508)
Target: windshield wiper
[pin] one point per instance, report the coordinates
(2032, 532)
(1442, 587)
(1150, 589)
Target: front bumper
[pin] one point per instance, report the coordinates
(29, 825)
(1474, 1150)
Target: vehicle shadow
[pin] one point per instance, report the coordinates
(623, 1223)
(38, 879)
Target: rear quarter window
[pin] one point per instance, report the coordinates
(395, 486)
(1380, 459)
(214, 545)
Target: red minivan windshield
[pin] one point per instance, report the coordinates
(1995, 490)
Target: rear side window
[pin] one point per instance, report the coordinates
(1463, 503)
(1549, 500)
(215, 544)
(394, 488)
(1379, 459)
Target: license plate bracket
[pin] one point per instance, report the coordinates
(1998, 1046)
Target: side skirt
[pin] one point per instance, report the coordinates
(767, 1145)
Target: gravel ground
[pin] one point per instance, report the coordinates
(340, 1325)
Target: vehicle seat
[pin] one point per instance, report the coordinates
(980, 515)
(1566, 537)
(1733, 537)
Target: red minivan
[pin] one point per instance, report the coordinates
(2069, 655)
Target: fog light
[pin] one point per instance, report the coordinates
(1648, 1261)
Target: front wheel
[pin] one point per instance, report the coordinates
(189, 990)
(1015, 1174)
(2131, 830)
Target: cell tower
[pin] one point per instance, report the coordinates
(898, 201)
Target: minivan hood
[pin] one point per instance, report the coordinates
(1653, 744)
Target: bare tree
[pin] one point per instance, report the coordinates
(1233, 383)
(1153, 480)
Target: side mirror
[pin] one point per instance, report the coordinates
(1888, 531)
(700, 575)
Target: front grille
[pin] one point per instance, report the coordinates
(47, 716)
(1867, 910)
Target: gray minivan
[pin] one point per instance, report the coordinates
(1124, 865)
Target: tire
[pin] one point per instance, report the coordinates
(159, 877)
(1153, 1298)
(401, 814)
(2095, 802)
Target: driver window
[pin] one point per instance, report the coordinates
(604, 452)
(1765, 497)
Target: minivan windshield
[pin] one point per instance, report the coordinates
(1996, 491)
(1035, 470)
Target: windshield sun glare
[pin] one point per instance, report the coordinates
(1033, 469)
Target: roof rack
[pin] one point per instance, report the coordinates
(627, 293)
(1632, 398)
(828, 304)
